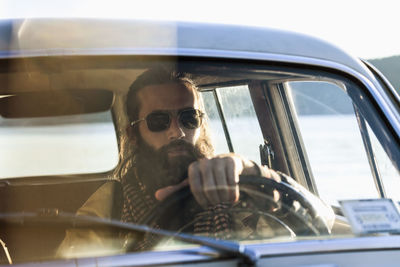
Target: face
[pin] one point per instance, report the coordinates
(168, 97)
(169, 152)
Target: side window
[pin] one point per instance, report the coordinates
(84, 143)
(389, 174)
(214, 121)
(333, 141)
(239, 118)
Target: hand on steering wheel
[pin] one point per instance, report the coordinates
(292, 215)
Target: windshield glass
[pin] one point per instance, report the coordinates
(232, 151)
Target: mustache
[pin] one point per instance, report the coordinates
(178, 144)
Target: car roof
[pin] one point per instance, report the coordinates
(44, 37)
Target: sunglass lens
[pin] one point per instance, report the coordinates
(190, 119)
(158, 121)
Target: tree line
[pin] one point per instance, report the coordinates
(390, 68)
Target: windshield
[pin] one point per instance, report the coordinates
(247, 153)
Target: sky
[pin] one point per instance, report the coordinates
(364, 28)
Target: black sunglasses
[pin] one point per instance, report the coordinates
(158, 121)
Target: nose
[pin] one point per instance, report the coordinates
(175, 130)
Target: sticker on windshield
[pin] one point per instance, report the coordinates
(372, 215)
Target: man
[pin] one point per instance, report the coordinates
(172, 149)
(180, 153)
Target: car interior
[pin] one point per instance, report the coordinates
(61, 91)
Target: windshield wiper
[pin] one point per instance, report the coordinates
(248, 257)
(5, 250)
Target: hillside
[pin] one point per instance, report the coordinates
(390, 67)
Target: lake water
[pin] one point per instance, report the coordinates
(335, 151)
(333, 143)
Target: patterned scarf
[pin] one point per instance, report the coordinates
(214, 222)
(137, 203)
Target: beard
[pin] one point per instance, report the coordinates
(157, 169)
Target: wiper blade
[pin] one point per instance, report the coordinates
(5, 250)
(229, 248)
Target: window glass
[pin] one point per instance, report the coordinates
(241, 121)
(389, 174)
(217, 131)
(58, 145)
(333, 141)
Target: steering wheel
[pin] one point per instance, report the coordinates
(293, 213)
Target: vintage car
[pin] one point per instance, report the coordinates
(290, 102)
